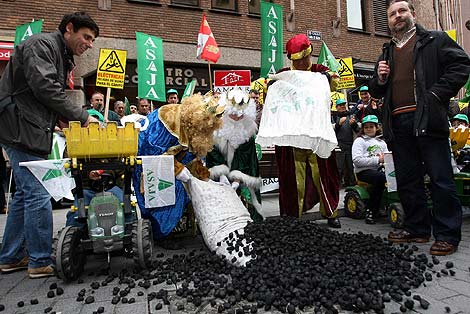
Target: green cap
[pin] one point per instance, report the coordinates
(370, 118)
(96, 114)
(461, 116)
(172, 91)
(340, 101)
(364, 89)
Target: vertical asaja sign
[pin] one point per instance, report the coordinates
(151, 78)
(271, 38)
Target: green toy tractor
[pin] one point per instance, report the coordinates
(357, 197)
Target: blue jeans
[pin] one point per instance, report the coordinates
(28, 229)
(87, 196)
(415, 156)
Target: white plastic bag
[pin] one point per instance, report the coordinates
(219, 212)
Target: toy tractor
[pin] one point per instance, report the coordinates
(106, 225)
(357, 197)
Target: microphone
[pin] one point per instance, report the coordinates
(385, 54)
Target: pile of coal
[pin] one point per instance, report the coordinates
(295, 265)
(298, 264)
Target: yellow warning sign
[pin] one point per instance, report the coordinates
(346, 74)
(334, 97)
(111, 68)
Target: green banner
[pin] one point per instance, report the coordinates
(467, 89)
(327, 59)
(151, 78)
(27, 30)
(189, 90)
(271, 38)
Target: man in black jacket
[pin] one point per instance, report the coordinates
(32, 97)
(418, 72)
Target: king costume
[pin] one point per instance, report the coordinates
(307, 176)
(234, 155)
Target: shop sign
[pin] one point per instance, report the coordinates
(225, 80)
(6, 49)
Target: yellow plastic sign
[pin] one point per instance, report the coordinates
(346, 74)
(452, 34)
(334, 97)
(111, 68)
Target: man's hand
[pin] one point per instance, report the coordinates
(95, 174)
(352, 120)
(342, 120)
(90, 119)
(383, 71)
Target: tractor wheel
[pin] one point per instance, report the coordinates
(354, 205)
(68, 253)
(396, 215)
(142, 243)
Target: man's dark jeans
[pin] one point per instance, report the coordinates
(415, 156)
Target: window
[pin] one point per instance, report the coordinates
(146, 1)
(355, 13)
(254, 7)
(186, 2)
(230, 5)
(380, 17)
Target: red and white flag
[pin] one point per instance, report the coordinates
(207, 48)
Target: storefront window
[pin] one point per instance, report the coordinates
(230, 5)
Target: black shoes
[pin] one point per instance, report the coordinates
(334, 223)
(369, 217)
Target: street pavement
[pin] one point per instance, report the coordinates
(448, 291)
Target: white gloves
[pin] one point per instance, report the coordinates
(184, 175)
(235, 185)
(223, 179)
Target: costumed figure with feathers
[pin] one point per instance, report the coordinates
(234, 159)
(185, 131)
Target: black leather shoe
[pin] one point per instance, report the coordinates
(334, 223)
(369, 217)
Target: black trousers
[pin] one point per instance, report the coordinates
(415, 156)
(3, 174)
(345, 165)
(376, 178)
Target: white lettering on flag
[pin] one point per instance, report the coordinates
(159, 180)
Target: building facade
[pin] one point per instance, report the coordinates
(350, 28)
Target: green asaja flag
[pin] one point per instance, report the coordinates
(189, 90)
(151, 78)
(467, 90)
(327, 59)
(271, 38)
(27, 30)
(127, 107)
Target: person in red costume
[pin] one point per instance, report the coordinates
(305, 179)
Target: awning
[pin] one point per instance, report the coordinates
(6, 49)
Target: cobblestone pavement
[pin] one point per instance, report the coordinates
(447, 291)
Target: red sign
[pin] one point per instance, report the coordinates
(232, 78)
(6, 49)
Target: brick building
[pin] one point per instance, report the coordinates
(350, 28)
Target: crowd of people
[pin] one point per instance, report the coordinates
(403, 109)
